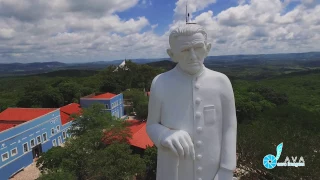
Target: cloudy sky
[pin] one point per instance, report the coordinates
(95, 30)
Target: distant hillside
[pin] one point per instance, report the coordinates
(310, 59)
(69, 73)
(308, 56)
(29, 68)
(165, 64)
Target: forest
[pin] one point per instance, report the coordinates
(275, 102)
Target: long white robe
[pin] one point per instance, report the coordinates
(202, 105)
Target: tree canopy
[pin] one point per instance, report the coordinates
(87, 156)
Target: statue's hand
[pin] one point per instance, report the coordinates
(179, 142)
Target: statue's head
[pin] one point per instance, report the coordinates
(189, 47)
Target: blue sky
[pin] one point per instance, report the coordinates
(103, 30)
(161, 12)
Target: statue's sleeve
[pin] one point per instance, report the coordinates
(229, 127)
(154, 128)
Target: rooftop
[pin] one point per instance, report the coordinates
(140, 137)
(12, 117)
(5, 126)
(104, 96)
(24, 114)
(67, 110)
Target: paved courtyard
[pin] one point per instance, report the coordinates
(31, 172)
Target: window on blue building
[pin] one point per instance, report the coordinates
(25, 147)
(52, 131)
(54, 142)
(38, 139)
(44, 137)
(58, 128)
(59, 140)
(64, 134)
(14, 152)
(107, 106)
(32, 143)
(5, 156)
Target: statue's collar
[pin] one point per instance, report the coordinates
(191, 75)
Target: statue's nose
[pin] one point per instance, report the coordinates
(192, 54)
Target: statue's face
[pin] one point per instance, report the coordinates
(189, 52)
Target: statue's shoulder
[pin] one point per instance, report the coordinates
(217, 75)
(164, 76)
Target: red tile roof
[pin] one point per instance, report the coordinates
(24, 114)
(140, 137)
(16, 116)
(67, 110)
(104, 96)
(5, 126)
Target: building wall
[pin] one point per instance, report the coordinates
(114, 106)
(87, 102)
(65, 129)
(117, 106)
(16, 137)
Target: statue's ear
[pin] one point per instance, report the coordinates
(170, 53)
(208, 48)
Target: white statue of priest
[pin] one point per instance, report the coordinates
(192, 116)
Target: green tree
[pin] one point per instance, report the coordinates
(271, 95)
(139, 100)
(141, 108)
(32, 96)
(111, 83)
(57, 176)
(51, 98)
(297, 128)
(52, 159)
(98, 149)
(150, 158)
(116, 162)
(70, 91)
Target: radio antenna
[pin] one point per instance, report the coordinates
(188, 15)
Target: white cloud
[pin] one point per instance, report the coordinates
(193, 6)
(26, 10)
(60, 30)
(6, 33)
(34, 30)
(260, 26)
(101, 6)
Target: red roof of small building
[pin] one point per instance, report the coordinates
(104, 96)
(67, 110)
(5, 126)
(20, 114)
(140, 137)
(24, 114)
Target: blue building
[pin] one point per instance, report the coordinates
(27, 132)
(113, 103)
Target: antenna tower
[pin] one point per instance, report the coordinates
(188, 15)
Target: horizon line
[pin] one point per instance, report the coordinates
(156, 58)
